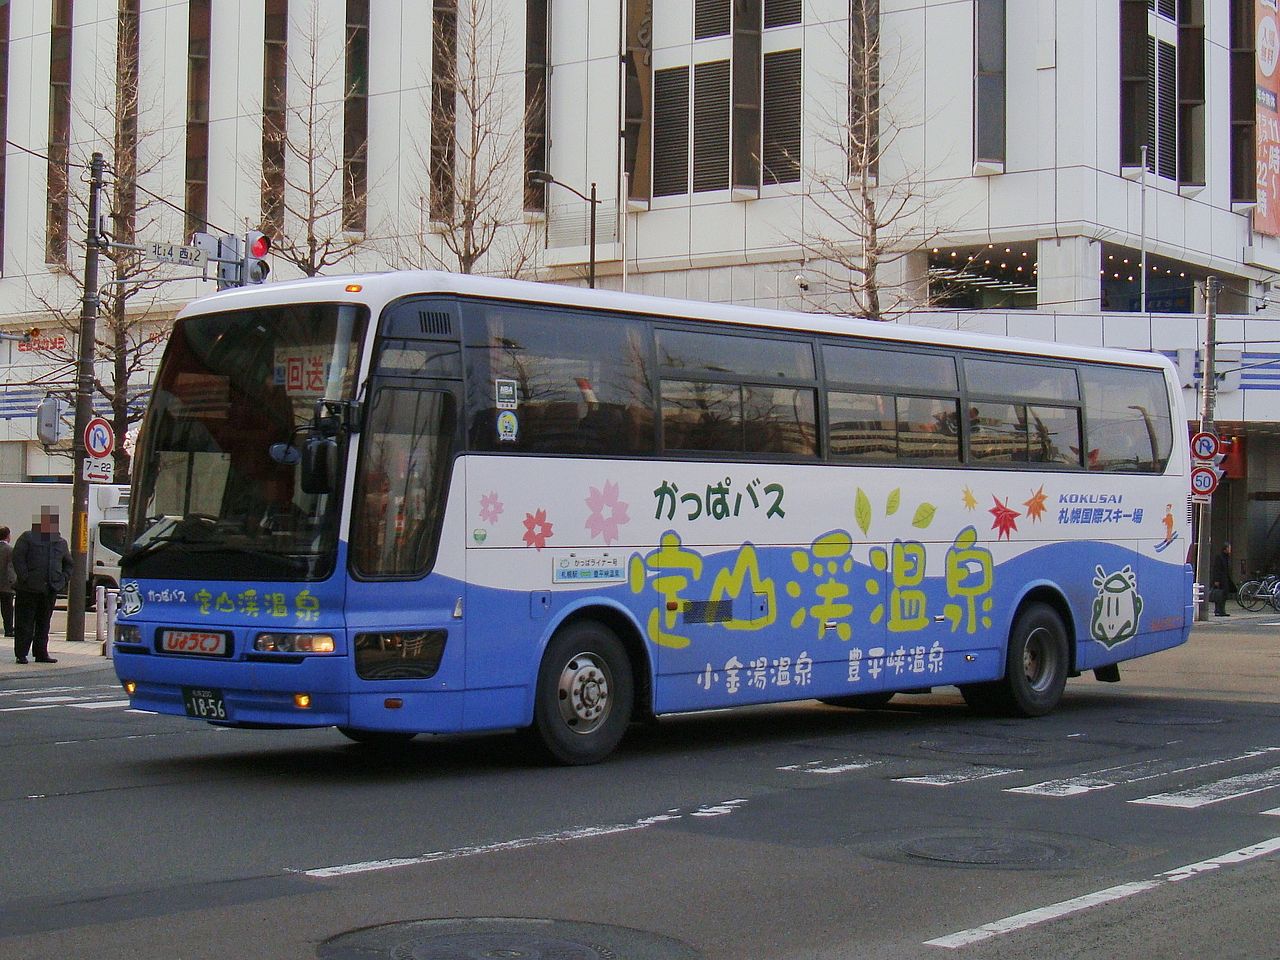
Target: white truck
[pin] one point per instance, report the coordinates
(20, 505)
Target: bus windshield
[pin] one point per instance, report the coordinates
(217, 473)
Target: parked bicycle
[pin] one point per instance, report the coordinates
(1255, 594)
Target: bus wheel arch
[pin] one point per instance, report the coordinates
(585, 694)
(1039, 656)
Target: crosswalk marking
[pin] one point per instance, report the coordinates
(100, 705)
(965, 775)
(1216, 792)
(839, 765)
(1128, 773)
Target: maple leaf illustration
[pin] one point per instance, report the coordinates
(969, 500)
(537, 529)
(1006, 519)
(1035, 506)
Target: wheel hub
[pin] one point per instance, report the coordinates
(584, 693)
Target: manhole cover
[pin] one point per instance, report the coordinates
(1170, 720)
(983, 850)
(497, 938)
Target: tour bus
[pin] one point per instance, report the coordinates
(422, 502)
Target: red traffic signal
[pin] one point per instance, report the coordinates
(256, 247)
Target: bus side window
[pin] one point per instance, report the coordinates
(1128, 426)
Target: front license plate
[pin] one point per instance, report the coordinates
(204, 703)
(201, 642)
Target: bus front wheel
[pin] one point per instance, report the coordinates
(585, 694)
(1036, 667)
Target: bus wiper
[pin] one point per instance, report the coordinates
(154, 544)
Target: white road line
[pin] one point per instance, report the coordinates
(965, 775)
(1271, 813)
(61, 699)
(1111, 894)
(1128, 773)
(1216, 792)
(100, 705)
(40, 706)
(523, 843)
(846, 765)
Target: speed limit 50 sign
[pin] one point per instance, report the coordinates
(1204, 480)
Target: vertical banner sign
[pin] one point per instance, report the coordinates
(1266, 215)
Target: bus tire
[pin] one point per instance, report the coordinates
(585, 693)
(376, 738)
(1036, 667)
(860, 701)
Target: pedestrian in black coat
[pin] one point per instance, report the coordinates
(1220, 581)
(42, 561)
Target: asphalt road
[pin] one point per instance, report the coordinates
(1141, 819)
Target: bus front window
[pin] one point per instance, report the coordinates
(218, 482)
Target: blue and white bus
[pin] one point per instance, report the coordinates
(419, 502)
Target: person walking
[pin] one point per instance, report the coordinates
(1220, 580)
(42, 561)
(7, 580)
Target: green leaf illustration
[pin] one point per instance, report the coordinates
(924, 515)
(895, 500)
(862, 511)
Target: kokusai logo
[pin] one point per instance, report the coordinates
(130, 599)
(1116, 608)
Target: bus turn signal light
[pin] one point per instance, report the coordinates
(302, 701)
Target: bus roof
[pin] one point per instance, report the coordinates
(378, 289)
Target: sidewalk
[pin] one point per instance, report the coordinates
(70, 655)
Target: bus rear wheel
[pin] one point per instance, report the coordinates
(585, 693)
(1036, 667)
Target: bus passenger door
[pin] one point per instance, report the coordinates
(403, 603)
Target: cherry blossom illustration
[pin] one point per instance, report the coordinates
(490, 507)
(608, 513)
(537, 529)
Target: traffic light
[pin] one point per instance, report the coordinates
(256, 247)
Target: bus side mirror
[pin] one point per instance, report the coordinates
(319, 465)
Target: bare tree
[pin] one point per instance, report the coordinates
(314, 177)
(469, 216)
(128, 330)
(868, 225)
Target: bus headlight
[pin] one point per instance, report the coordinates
(294, 643)
(128, 633)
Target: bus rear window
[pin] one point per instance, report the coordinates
(1127, 420)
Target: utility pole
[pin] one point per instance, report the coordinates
(84, 411)
(1208, 389)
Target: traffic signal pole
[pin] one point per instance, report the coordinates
(84, 411)
(1208, 389)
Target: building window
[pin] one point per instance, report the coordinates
(1149, 86)
(746, 95)
(783, 111)
(1191, 109)
(1244, 180)
(444, 108)
(197, 195)
(670, 131)
(711, 126)
(4, 113)
(59, 132)
(710, 19)
(864, 88)
(125, 153)
(781, 13)
(275, 100)
(638, 127)
(355, 120)
(989, 81)
(536, 44)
